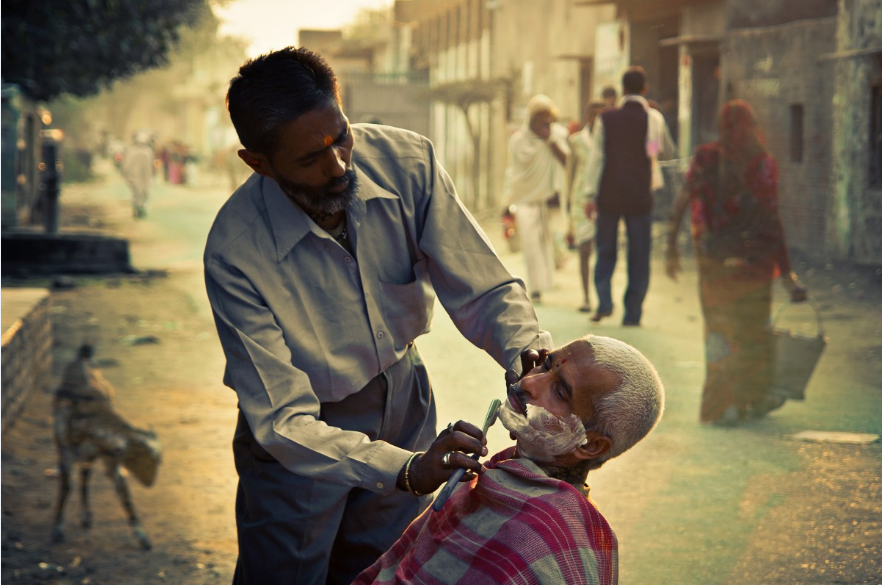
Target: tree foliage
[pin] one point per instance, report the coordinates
(85, 120)
(76, 47)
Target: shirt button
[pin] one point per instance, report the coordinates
(347, 259)
(380, 334)
(380, 485)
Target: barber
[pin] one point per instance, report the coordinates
(322, 269)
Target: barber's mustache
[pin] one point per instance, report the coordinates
(347, 177)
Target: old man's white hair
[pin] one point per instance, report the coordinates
(630, 412)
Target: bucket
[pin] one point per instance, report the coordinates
(794, 357)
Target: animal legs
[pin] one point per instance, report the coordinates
(85, 472)
(125, 497)
(64, 467)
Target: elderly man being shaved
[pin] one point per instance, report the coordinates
(528, 518)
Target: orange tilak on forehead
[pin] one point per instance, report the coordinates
(327, 140)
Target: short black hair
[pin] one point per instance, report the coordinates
(274, 89)
(634, 80)
(609, 91)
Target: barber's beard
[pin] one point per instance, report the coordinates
(541, 436)
(322, 203)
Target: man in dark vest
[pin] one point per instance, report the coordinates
(622, 173)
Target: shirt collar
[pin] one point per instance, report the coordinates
(635, 97)
(289, 223)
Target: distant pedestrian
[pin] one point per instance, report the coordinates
(609, 96)
(177, 159)
(581, 221)
(537, 153)
(137, 169)
(732, 187)
(628, 141)
(163, 156)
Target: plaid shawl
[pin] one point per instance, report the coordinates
(511, 525)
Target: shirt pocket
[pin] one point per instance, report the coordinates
(407, 308)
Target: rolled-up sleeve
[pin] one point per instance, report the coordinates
(487, 304)
(278, 400)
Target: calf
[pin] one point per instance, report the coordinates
(86, 429)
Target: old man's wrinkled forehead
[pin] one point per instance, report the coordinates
(569, 353)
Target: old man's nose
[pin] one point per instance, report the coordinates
(531, 386)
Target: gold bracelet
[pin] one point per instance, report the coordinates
(407, 473)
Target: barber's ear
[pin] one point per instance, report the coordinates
(595, 445)
(258, 162)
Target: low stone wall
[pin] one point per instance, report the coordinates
(33, 253)
(26, 348)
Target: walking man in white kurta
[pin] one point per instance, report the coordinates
(137, 169)
(537, 153)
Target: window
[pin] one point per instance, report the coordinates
(796, 133)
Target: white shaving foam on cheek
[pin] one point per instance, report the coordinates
(541, 435)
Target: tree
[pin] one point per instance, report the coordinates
(464, 94)
(76, 47)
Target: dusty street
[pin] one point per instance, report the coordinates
(690, 505)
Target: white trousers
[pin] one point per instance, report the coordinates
(538, 245)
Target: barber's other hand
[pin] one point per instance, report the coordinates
(427, 472)
(530, 358)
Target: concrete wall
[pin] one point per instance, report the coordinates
(856, 230)
(752, 13)
(26, 348)
(775, 68)
(703, 19)
(551, 36)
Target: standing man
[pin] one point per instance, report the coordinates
(137, 170)
(628, 141)
(321, 270)
(537, 153)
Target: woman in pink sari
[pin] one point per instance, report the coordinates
(732, 188)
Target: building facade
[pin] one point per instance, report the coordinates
(812, 69)
(522, 48)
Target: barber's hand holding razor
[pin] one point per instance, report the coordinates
(453, 448)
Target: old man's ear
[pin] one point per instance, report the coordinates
(596, 445)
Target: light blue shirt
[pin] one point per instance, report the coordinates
(302, 321)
